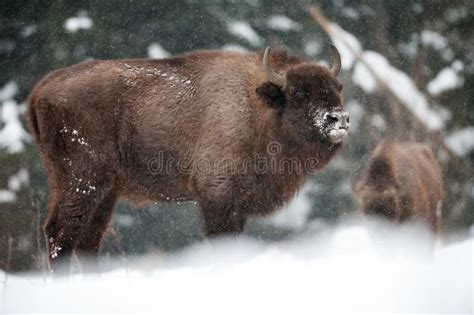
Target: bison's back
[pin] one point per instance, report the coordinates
(421, 174)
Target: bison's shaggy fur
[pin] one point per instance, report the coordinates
(193, 127)
(403, 182)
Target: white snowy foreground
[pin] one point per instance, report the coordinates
(352, 269)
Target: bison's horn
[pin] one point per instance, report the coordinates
(271, 75)
(336, 59)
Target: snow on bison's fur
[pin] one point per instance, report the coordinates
(236, 132)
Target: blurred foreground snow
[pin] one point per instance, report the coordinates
(353, 268)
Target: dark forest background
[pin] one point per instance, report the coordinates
(35, 39)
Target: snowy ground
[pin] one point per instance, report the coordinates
(352, 269)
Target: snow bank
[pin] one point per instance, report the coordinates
(353, 269)
(461, 142)
(155, 51)
(245, 31)
(79, 22)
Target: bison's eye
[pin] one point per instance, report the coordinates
(299, 93)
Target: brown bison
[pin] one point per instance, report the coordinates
(403, 182)
(236, 132)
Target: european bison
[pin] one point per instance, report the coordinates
(403, 182)
(236, 132)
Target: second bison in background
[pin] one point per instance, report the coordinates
(403, 182)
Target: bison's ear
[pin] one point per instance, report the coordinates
(271, 95)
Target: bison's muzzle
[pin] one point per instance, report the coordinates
(338, 125)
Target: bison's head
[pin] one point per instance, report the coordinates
(309, 99)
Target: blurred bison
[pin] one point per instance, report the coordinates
(194, 127)
(403, 182)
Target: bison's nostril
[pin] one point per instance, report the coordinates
(345, 120)
(332, 118)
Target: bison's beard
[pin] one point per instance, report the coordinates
(321, 149)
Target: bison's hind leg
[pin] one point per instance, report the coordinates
(78, 154)
(66, 212)
(94, 227)
(77, 218)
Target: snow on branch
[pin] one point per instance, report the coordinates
(372, 71)
(156, 51)
(447, 79)
(461, 141)
(79, 22)
(243, 30)
(12, 133)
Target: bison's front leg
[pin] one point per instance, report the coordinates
(88, 243)
(219, 193)
(221, 219)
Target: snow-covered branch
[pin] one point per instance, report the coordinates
(372, 71)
